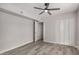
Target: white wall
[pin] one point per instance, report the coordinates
(60, 29)
(14, 31)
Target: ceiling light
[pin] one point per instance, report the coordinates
(46, 10)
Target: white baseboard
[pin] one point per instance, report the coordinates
(60, 43)
(5, 50)
(64, 44)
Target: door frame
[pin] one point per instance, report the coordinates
(34, 30)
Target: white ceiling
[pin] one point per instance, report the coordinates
(64, 8)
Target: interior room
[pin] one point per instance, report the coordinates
(39, 28)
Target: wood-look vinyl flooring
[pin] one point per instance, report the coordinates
(43, 48)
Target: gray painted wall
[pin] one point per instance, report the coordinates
(14, 31)
(60, 29)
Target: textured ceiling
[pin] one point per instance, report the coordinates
(64, 8)
(28, 8)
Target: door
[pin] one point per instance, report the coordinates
(38, 31)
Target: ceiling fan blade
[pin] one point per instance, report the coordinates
(41, 12)
(49, 13)
(54, 9)
(38, 8)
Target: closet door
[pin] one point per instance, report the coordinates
(38, 31)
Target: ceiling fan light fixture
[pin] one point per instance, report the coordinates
(46, 10)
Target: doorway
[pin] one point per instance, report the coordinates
(38, 31)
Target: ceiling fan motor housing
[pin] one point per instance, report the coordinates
(46, 4)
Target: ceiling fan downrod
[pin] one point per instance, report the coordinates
(46, 4)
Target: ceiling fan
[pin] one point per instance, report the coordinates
(46, 9)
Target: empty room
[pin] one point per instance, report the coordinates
(39, 28)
